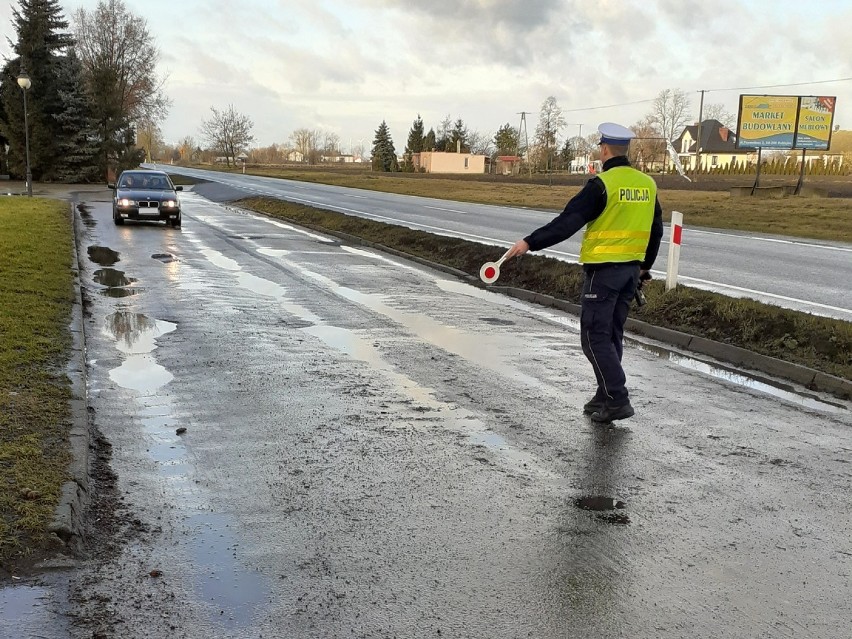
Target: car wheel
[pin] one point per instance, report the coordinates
(176, 223)
(117, 219)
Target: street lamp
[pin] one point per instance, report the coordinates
(25, 83)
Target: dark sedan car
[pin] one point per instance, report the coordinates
(145, 195)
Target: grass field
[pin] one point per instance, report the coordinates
(815, 218)
(35, 302)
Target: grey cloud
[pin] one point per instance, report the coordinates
(506, 31)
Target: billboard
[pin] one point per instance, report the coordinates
(785, 121)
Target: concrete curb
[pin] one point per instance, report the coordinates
(68, 518)
(807, 377)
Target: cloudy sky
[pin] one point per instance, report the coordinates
(343, 66)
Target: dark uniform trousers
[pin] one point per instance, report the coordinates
(608, 291)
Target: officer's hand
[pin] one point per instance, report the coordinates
(518, 248)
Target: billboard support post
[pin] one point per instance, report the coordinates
(757, 176)
(801, 173)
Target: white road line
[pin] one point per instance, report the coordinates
(765, 294)
(438, 208)
(827, 247)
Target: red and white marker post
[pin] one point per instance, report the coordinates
(674, 250)
(490, 271)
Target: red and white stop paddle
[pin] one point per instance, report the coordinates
(490, 271)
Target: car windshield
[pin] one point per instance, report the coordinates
(138, 181)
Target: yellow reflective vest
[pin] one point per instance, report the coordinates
(622, 231)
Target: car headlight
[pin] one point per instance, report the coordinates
(126, 202)
(169, 204)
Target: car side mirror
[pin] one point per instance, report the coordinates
(178, 188)
(111, 185)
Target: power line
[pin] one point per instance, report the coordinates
(778, 86)
(608, 106)
(767, 86)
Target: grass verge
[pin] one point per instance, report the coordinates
(820, 343)
(36, 294)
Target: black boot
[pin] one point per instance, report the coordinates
(594, 405)
(612, 413)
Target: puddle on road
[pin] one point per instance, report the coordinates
(27, 611)
(605, 509)
(472, 347)
(462, 288)
(496, 321)
(464, 421)
(111, 277)
(599, 503)
(135, 333)
(115, 281)
(776, 389)
(141, 373)
(103, 255)
(236, 595)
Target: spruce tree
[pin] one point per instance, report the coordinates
(415, 144)
(39, 50)
(415, 136)
(458, 138)
(78, 143)
(384, 153)
(430, 143)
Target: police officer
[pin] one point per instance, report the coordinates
(624, 226)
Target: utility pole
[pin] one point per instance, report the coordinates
(698, 142)
(523, 125)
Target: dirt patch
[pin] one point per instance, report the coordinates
(110, 525)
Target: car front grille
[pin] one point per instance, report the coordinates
(147, 205)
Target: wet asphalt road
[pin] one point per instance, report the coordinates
(374, 449)
(794, 273)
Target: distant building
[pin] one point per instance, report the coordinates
(508, 164)
(443, 162)
(718, 147)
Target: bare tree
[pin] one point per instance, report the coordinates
(648, 147)
(550, 122)
(149, 138)
(186, 147)
(480, 144)
(670, 112)
(119, 61)
(358, 151)
(306, 142)
(227, 132)
(721, 114)
(330, 142)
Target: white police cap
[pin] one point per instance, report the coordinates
(615, 134)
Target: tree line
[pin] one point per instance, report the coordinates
(94, 85)
(549, 147)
